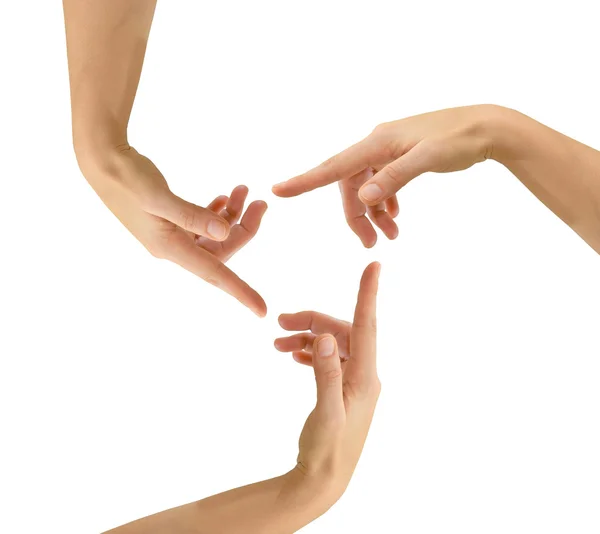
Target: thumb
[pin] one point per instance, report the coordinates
(195, 219)
(389, 180)
(328, 374)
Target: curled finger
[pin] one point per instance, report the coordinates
(383, 220)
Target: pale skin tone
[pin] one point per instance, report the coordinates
(106, 43)
(563, 173)
(106, 46)
(343, 356)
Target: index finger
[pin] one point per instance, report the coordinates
(364, 327)
(341, 166)
(198, 261)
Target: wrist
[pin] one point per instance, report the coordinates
(98, 157)
(96, 143)
(315, 493)
(503, 130)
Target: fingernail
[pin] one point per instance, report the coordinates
(217, 229)
(326, 347)
(371, 192)
(279, 184)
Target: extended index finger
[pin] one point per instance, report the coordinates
(364, 327)
(341, 166)
(183, 251)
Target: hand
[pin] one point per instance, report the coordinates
(343, 357)
(331, 442)
(373, 170)
(198, 239)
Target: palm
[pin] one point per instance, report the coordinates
(168, 226)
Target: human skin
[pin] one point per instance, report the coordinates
(343, 356)
(561, 172)
(106, 44)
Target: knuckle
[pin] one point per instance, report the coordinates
(386, 142)
(161, 245)
(394, 173)
(187, 219)
(331, 161)
(370, 326)
(363, 387)
(332, 376)
(332, 166)
(388, 149)
(354, 221)
(213, 274)
(381, 129)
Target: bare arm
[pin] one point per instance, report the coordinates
(106, 43)
(280, 505)
(563, 173)
(343, 356)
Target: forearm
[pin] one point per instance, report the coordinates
(563, 173)
(106, 44)
(278, 506)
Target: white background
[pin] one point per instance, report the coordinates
(128, 386)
